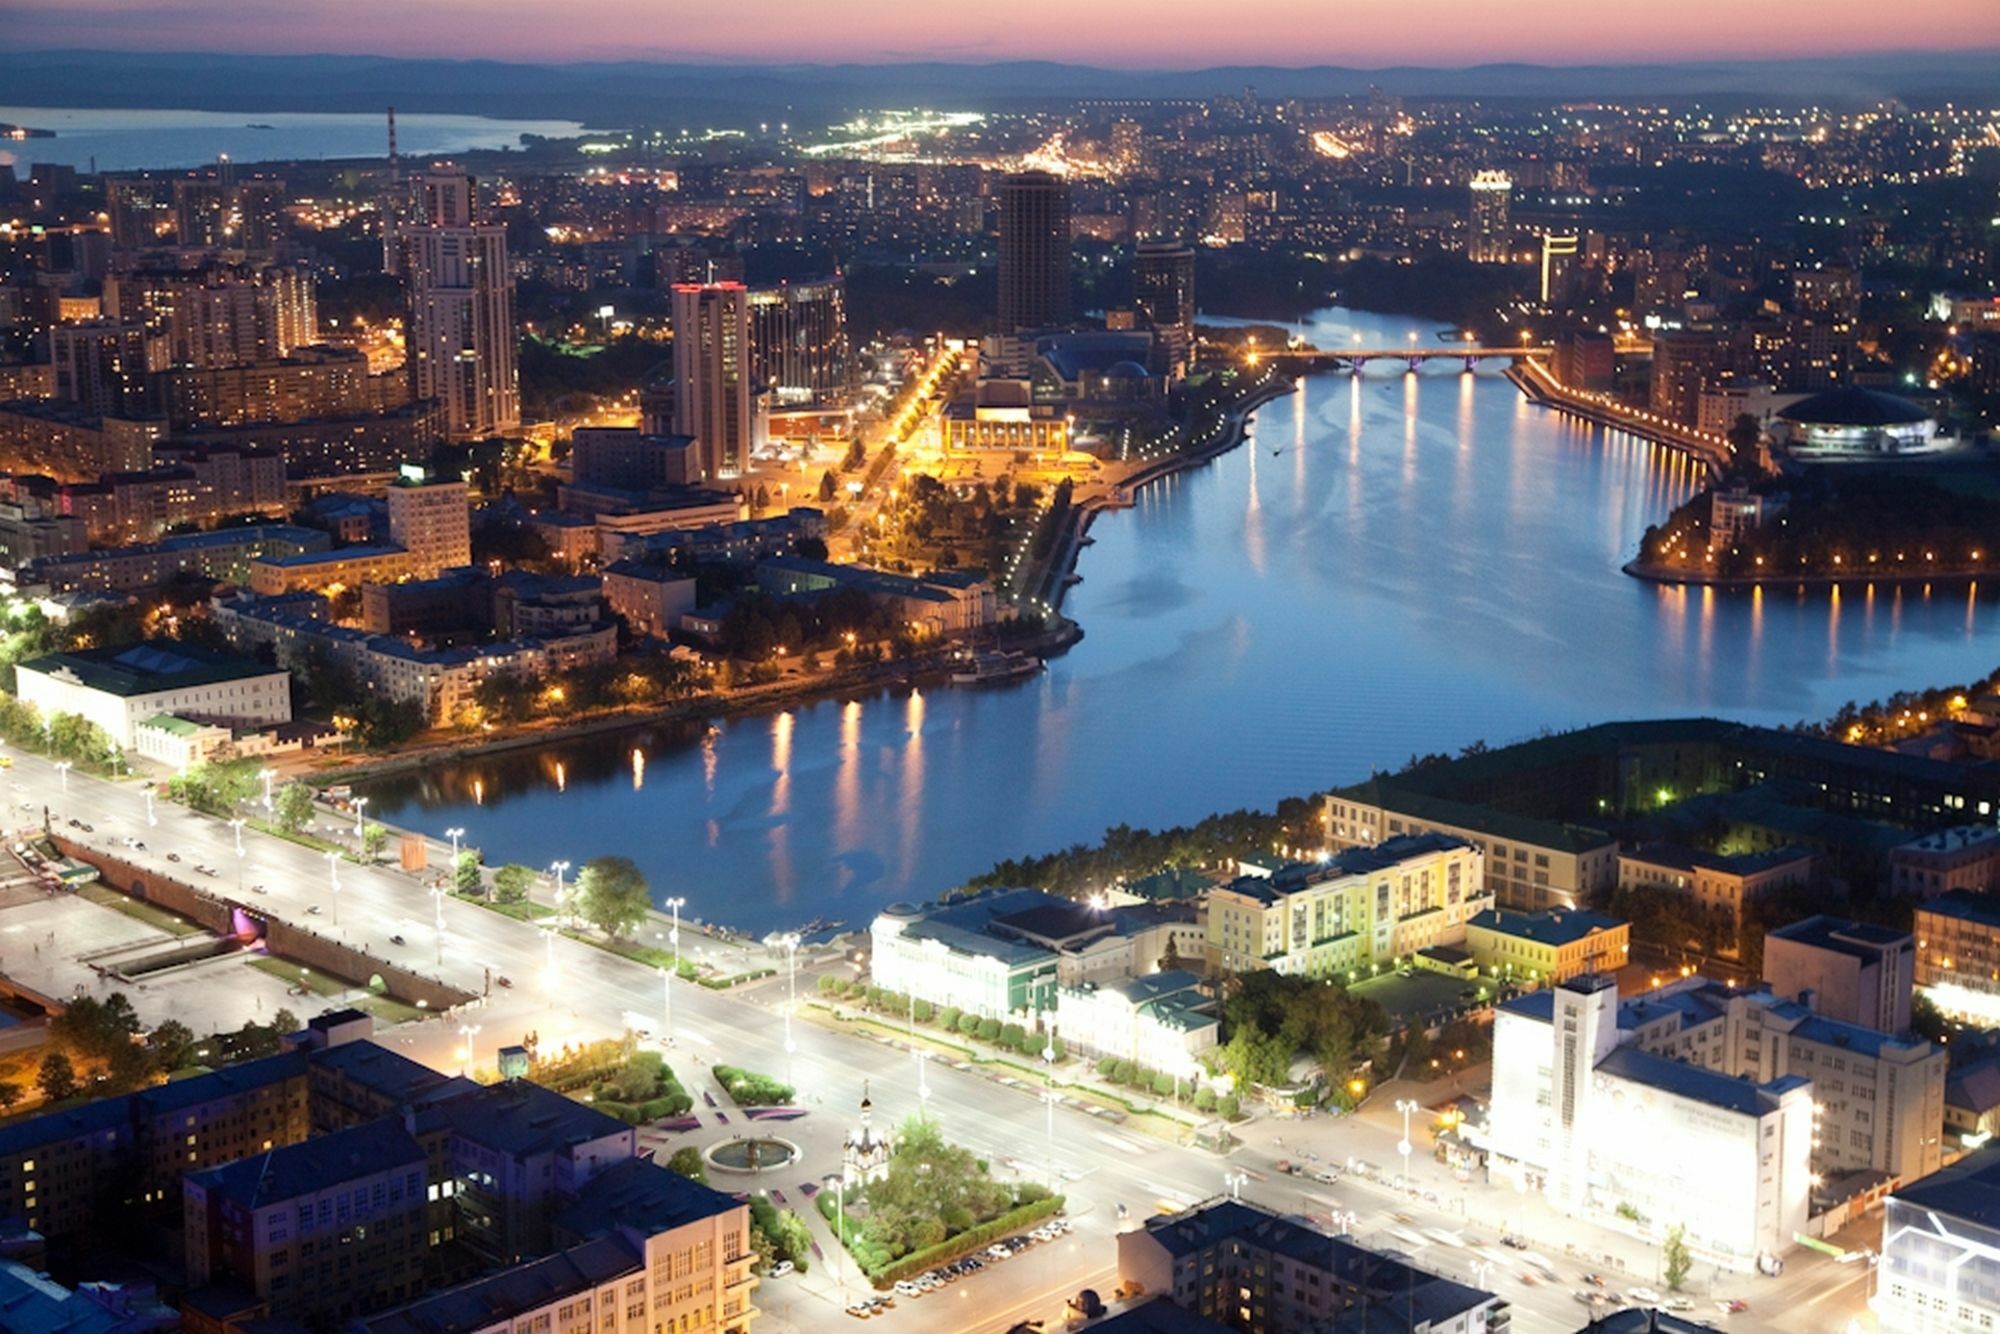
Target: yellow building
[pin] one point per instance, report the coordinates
(1361, 908)
(1550, 946)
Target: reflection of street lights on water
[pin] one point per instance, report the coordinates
(1406, 1106)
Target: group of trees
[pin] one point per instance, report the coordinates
(97, 1047)
(932, 523)
(1270, 1019)
(634, 679)
(933, 1190)
(1126, 853)
(215, 787)
(778, 1234)
(757, 625)
(65, 736)
(749, 1088)
(325, 688)
(643, 1089)
(1029, 1042)
(1163, 1084)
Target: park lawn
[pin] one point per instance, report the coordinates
(318, 983)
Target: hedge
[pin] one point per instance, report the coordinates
(748, 1088)
(976, 1238)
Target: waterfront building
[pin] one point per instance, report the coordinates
(1856, 423)
(1586, 360)
(1940, 1266)
(1006, 952)
(1529, 863)
(1606, 1129)
(941, 603)
(1856, 972)
(318, 1231)
(1489, 236)
(713, 375)
(432, 522)
(1034, 251)
(1958, 953)
(1162, 1021)
(462, 349)
(1256, 1271)
(1736, 512)
(120, 688)
(798, 344)
(650, 598)
(1549, 946)
(1358, 911)
(1559, 265)
(1163, 292)
(1961, 857)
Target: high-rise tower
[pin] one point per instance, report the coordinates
(1034, 252)
(462, 348)
(1163, 290)
(712, 375)
(1488, 239)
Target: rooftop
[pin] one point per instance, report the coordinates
(1967, 905)
(1851, 405)
(1551, 926)
(315, 1164)
(1859, 940)
(1694, 1083)
(521, 1119)
(1968, 1189)
(486, 1302)
(1694, 859)
(640, 1196)
(148, 667)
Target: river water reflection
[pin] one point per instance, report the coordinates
(1394, 563)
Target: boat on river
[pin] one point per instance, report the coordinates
(993, 668)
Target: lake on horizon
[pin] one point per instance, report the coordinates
(1394, 564)
(138, 138)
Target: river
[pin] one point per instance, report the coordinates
(1393, 564)
(131, 139)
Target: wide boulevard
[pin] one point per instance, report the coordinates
(566, 989)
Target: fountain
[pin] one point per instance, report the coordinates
(751, 1153)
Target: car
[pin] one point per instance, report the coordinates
(1731, 1305)
(905, 1288)
(860, 1310)
(75, 823)
(1594, 1280)
(1678, 1304)
(312, 910)
(259, 889)
(1644, 1297)
(1527, 1276)
(998, 1251)
(1326, 1176)
(505, 981)
(173, 856)
(780, 1269)
(1513, 1242)
(1587, 1297)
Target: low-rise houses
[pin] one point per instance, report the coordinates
(1359, 909)
(1162, 1021)
(1553, 945)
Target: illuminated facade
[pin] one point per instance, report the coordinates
(1559, 259)
(1958, 953)
(462, 348)
(1940, 1267)
(798, 344)
(1608, 1130)
(712, 376)
(1361, 910)
(1489, 233)
(1550, 946)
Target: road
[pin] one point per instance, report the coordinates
(567, 990)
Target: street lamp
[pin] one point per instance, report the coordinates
(468, 1032)
(1233, 1181)
(674, 936)
(437, 897)
(923, 1083)
(454, 835)
(557, 869)
(237, 827)
(152, 820)
(267, 775)
(790, 940)
(333, 878)
(62, 767)
(1406, 1106)
(359, 803)
(838, 1185)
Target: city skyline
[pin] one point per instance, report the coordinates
(1370, 34)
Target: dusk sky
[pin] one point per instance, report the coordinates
(1169, 33)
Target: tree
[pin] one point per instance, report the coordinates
(10, 1093)
(1170, 959)
(57, 1077)
(373, 838)
(1674, 1258)
(612, 895)
(687, 1160)
(171, 1045)
(465, 874)
(293, 807)
(827, 486)
(511, 882)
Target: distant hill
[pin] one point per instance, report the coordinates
(650, 93)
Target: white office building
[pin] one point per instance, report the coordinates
(1607, 1130)
(1161, 1021)
(120, 689)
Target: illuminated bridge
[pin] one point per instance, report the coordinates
(1354, 358)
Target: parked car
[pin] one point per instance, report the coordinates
(780, 1269)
